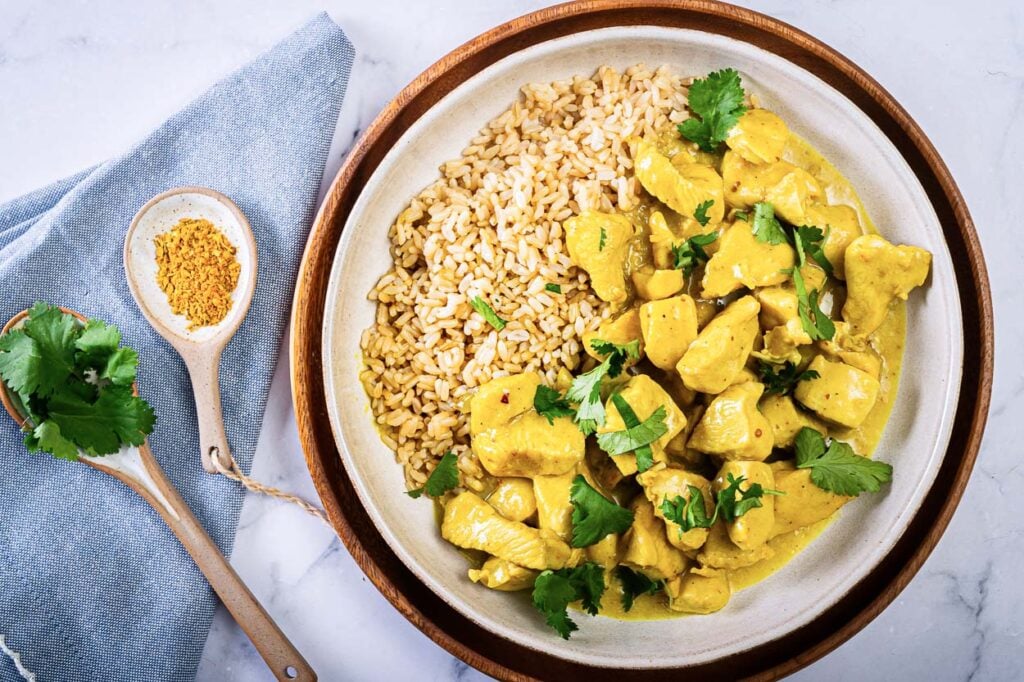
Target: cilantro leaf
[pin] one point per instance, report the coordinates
(717, 104)
(443, 478)
(97, 341)
(120, 367)
(549, 403)
(482, 307)
(553, 288)
(688, 513)
(635, 584)
(593, 515)
(835, 467)
(810, 241)
(601, 240)
(782, 381)
(742, 215)
(47, 437)
(637, 437)
(766, 227)
(730, 508)
(700, 214)
(553, 591)
(20, 360)
(691, 253)
(101, 427)
(813, 319)
(54, 333)
(585, 389)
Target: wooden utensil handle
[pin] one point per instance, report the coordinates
(281, 656)
(204, 370)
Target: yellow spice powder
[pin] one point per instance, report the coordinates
(197, 269)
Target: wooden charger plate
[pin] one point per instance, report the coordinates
(506, 659)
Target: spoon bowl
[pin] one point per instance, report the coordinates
(200, 347)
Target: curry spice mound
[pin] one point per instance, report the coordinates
(197, 269)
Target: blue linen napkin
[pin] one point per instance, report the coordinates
(93, 586)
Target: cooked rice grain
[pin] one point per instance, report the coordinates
(491, 226)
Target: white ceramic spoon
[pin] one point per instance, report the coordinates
(138, 469)
(200, 348)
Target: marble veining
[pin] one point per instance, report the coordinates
(82, 82)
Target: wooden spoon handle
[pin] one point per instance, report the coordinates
(281, 656)
(204, 370)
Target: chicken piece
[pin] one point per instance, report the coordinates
(662, 240)
(471, 523)
(502, 575)
(513, 498)
(803, 503)
(743, 261)
(781, 317)
(789, 189)
(877, 273)
(599, 243)
(682, 188)
(699, 590)
(621, 330)
(653, 285)
(499, 400)
(554, 511)
(853, 350)
(759, 136)
(668, 484)
(669, 326)
(721, 349)
(720, 552)
(530, 446)
(644, 395)
(841, 226)
(678, 447)
(787, 420)
(645, 547)
(732, 428)
(752, 529)
(605, 552)
(841, 394)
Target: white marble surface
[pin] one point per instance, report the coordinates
(80, 81)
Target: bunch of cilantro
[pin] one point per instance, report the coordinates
(74, 383)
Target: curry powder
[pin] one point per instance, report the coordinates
(197, 269)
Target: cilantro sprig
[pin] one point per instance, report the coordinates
(585, 389)
(553, 591)
(593, 515)
(443, 478)
(782, 380)
(635, 584)
(835, 467)
(766, 227)
(637, 436)
(690, 253)
(74, 382)
(717, 104)
(700, 214)
(549, 403)
(485, 309)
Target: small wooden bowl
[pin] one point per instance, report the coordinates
(854, 608)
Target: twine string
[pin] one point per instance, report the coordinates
(234, 472)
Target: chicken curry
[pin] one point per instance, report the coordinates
(728, 406)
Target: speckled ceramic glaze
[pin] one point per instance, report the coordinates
(914, 441)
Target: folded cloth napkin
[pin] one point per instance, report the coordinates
(93, 586)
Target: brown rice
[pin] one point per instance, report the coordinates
(491, 226)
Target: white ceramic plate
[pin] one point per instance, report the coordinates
(914, 441)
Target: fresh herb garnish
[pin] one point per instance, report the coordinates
(688, 513)
(482, 307)
(585, 389)
(810, 242)
(767, 228)
(700, 214)
(553, 288)
(549, 403)
(75, 382)
(635, 584)
(443, 478)
(742, 215)
(637, 437)
(601, 240)
(593, 515)
(730, 508)
(553, 591)
(717, 104)
(813, 319)
(781, 381)
(691, 252)
(835, 467)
